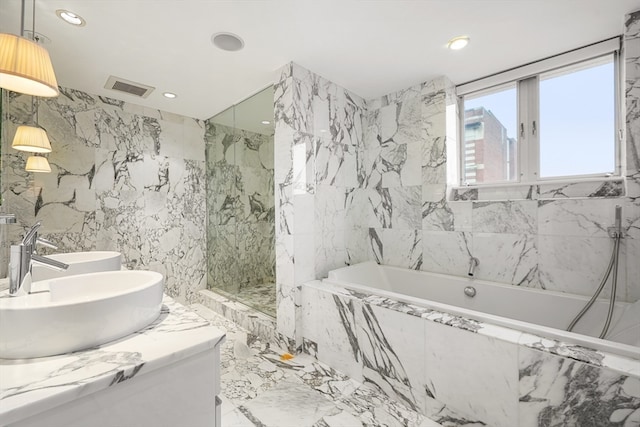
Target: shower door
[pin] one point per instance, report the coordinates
(240, 202)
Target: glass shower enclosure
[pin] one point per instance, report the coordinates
(240, 203)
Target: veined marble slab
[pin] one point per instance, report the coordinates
(31, 386)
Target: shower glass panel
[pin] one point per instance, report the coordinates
(240, 203)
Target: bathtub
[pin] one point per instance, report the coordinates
(499, 358)
(544, 313)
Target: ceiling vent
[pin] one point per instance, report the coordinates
(127, 86)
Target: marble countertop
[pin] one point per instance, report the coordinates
(30, 386)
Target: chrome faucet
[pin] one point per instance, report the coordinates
(473, 263)
(22, 258)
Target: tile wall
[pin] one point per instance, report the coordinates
(123, 178)
(374, 187)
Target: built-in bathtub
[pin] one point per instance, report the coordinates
(501, 358)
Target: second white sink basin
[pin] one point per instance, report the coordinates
(79, 263)
(78, 312)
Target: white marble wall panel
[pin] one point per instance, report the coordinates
(632, 91)
(392, 357)
(505, 217)
(577, 264)
(517, 255)
(123, 178)
(472, 376)
(329, 321)
(446, 252)
(555, 390)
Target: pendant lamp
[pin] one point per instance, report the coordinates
(25, 66)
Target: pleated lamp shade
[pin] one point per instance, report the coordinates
(32, 139)
(25, 67)
(37, 164)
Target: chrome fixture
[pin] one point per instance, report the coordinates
(22, 258)
(470, 291)
(473, 264)
(7, 218)
(616, 234)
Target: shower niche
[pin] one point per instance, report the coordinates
(240, 203)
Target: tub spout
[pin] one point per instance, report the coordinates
(473, 263)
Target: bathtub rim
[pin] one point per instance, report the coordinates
(604, 347)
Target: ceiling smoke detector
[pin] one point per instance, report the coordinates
(227, 41)
(127, 86)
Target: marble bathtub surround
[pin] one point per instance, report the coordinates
(459, 371)
(377, 188)
(124, 178)
(241, 214)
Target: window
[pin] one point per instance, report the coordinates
(554, 119)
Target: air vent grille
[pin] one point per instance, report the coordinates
(127, 86)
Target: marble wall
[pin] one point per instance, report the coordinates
(123, 178)
(318, 132)
(375, 183)
(240, 202)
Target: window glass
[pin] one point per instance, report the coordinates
(489, 151)
(577, 120)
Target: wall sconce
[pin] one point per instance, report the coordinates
(37, 164)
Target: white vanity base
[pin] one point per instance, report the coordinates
(181, 394)
(167, 374)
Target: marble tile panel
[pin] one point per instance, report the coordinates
(604, 189)
(392, 358)
(632, 90)
(437, 215)
(462, 215)
(586, 217)
(331, 252)
(555, 390)
(402, 248)
(515, 192)
(505, 217)
(289, 400)
(356, 245)
(287, 301)
(518, 255)
(452, 357)
(330, 207)
(329, 320)
(446, 252)
(577, 264)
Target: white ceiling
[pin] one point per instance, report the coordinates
(371, 47)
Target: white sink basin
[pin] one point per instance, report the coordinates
(78, 312)
(79, 263)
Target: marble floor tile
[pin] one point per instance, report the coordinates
(260, 389)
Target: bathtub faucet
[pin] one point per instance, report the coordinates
(473, 263)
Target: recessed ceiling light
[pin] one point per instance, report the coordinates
(169, 95)
(458, 43)
(71, 18)
(227, 41)
(265, 122)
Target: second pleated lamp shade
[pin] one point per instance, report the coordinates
(32, 139)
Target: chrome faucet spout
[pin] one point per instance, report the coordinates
(23, 257)
(473, 263)
(31, 236)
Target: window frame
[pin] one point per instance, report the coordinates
(527, 79)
